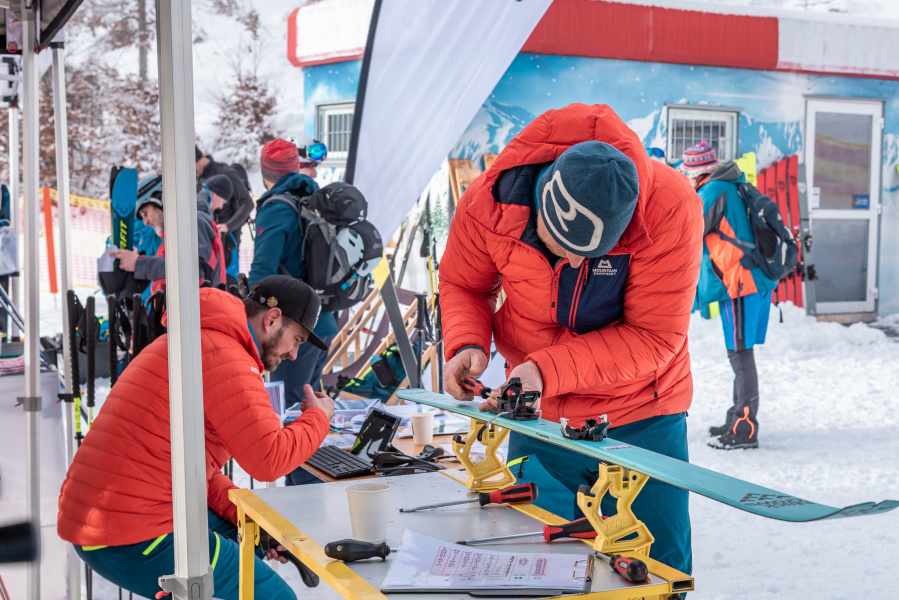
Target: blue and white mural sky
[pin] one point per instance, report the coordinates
(771, 105)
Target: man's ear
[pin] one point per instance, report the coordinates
(271, 317)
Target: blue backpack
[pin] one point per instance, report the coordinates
(775, 251)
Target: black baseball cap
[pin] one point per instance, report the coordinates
(295, 299)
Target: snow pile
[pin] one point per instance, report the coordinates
(828, 420)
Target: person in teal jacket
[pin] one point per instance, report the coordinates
(743, 295)
(279, 249)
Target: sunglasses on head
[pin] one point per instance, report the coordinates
(317, 151)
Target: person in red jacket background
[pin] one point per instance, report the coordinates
(116, 502)
(597, 249)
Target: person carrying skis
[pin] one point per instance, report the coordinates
(743, 295)
(115, 505)
(279, 249)
(152, 268)
(597, 249)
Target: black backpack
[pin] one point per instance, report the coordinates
(336, 211)
(242, 175)
(775, 251)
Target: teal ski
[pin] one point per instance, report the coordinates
(717, 486)
(123, 197)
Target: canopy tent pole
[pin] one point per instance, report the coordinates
(65, 242)
(14, 203)
(31, 402)
(193, 577)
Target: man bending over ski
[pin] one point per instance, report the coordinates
(597, 249)
(116, 502)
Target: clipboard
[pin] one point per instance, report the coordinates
(428, 565)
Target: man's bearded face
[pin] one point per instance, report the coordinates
(271, 355)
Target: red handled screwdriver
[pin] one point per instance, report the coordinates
(514, 494)
(632, 569)
(473, 386)
(579, 529)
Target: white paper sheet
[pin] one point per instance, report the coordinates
(426, 563)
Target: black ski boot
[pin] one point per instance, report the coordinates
(718, 430)
(731, 441)
(743, 434)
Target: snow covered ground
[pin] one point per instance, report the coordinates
(828, 421)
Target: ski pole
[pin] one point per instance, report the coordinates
(580, 529)
(136, 338)
(514, 494)
(74, 363)
(92, 335)
(112, 323)
(438, 335)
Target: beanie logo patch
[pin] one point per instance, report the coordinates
(567, 218)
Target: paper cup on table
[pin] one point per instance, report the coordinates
(368, 511)
(422, 427)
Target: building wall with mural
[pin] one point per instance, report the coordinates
(771, 105)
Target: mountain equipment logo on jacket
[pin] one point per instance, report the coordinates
(605, 268)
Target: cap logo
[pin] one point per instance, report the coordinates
(568, 216)
(272, 302)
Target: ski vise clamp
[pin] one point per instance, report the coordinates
(481, 472)
(591, 431)
(624, 485)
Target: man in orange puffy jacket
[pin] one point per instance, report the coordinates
(116, 502)
(597, 249)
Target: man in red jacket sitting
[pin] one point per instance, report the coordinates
(116, 502)
(597, 249)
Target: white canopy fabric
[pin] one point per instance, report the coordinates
(428, 67)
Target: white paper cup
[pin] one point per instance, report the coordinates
(422, 428)
(368, 511)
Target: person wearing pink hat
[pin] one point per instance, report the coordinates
(743, 295)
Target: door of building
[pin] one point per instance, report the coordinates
(843, 163)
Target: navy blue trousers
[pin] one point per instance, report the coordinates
(137, 567)
(662, 507)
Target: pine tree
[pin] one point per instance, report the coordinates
(246, 110)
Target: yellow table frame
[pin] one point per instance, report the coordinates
(253, 513)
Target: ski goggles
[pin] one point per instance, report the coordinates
(657, 152)
(317, 151)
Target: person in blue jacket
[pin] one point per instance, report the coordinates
(279, 249)
(743, 295)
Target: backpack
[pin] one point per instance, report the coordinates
(775, 251)
(340, 247)
(242, 174)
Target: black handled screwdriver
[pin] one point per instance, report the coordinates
(514, 494)
(579, 529)
(350, 550)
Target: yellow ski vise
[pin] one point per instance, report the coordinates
(481, 472)
(624, 485)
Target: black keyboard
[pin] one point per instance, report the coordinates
(338, 463)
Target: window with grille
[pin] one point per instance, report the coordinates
(689, 126)
(334, 126)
